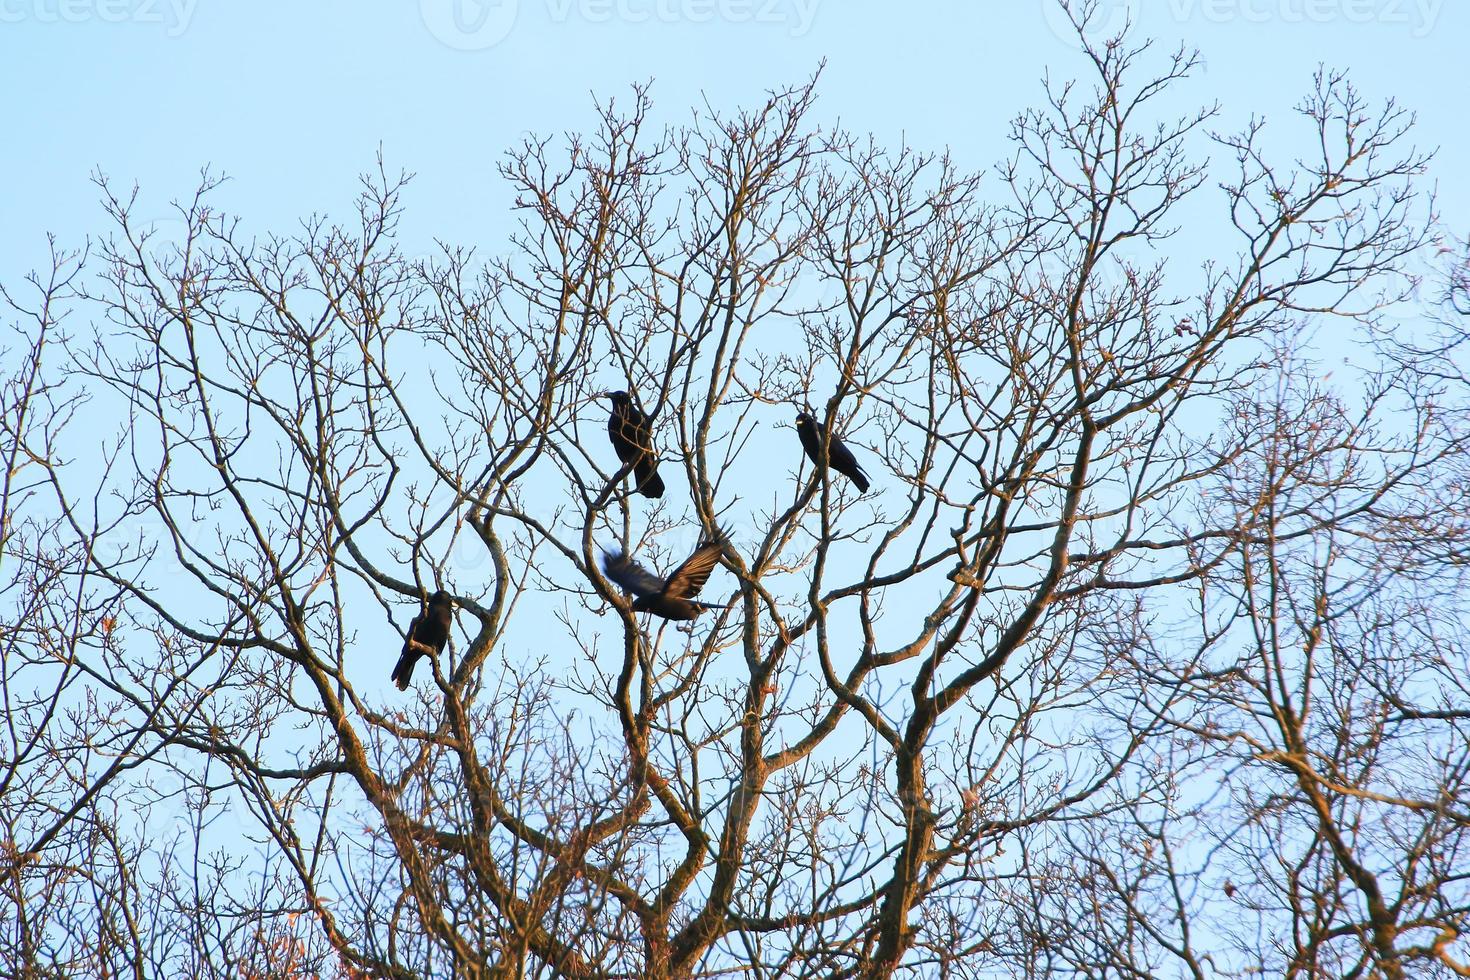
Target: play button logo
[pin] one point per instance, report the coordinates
(469, 25)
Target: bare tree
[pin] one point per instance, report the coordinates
(1142, 656)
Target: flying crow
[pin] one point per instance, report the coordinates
(672, 598)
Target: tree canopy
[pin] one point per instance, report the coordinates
(1142, 654)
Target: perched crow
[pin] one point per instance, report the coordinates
(428, 633)
(674, 598)
(842, 459)
(628, 429)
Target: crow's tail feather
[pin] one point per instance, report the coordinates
(650, 484)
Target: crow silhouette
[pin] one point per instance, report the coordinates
(627, 427)
(671, 598)
(427, 634)
(810, 431)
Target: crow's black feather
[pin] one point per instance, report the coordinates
(841, 458)
(428, 632)
(632, 439)
(671, 598)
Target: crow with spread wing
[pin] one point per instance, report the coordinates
(427, 634)
(629, 431)
(671, 598)
(841, 458)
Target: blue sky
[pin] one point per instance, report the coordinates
(293, 99)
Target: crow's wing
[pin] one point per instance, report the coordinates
(690, 577)
(629, 431)
(846, 463)
(631, 575)
(840, 456)
(645, 472)
(432, 630)
(810, 441)
(408, 637)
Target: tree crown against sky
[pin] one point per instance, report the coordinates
(1142, 654)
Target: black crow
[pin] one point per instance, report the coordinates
(428, 633)
(841, 457)
(628, 429)
(672, 598)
